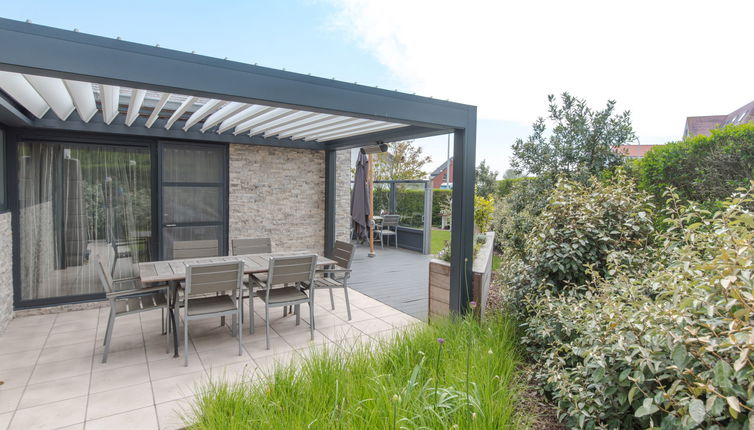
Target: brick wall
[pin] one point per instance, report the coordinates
(6, 271)
(280, 193)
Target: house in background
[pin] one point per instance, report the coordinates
(438, 176)
(696, 125)
(634, 151)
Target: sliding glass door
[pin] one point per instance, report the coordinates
(193, 195)
(77, 203)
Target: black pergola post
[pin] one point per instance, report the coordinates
(330, 196)
(462, 232)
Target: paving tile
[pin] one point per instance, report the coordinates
(117, 359)
(64, 327)
(304, 339)
(51, 415)
(5, 420)
(381, 310)
(340, 333)
(142, 419)
(269, 363)
(9, 399)
(170, 367)
(178, 387)
(371, 326)
(15, 377)
(11, 345)
(122, 328)
(16, 359)
(257, 346)
(356, 315)
(174, 415)
(66, 352)
(237, 373)
(223, 356)
(119, 400)
(109, 379)
(35, 320)
(400, 320)
(71, 337)
(120, 343)
(54, 391)
(61, 369)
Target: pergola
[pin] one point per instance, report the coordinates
(64, 80)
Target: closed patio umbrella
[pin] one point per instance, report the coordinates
(360, 197)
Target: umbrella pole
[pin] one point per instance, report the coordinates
(370, 176)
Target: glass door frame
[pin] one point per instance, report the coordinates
(158, 223)
(14, 136)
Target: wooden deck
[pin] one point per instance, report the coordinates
(396, 277)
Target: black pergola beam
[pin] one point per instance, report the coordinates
(118, 126)
(393, 135)
(462, 232)
(331, 178)
(47, 51)
(12, 116)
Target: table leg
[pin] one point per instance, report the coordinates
(173, 295)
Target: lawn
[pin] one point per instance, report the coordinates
(439, 237)
(413, 381)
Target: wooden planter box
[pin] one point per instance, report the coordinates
(439, 280)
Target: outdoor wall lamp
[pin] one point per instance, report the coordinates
(374, 149)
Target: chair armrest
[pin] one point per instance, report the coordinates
(131, 278)
(333, 271)
(136, 291)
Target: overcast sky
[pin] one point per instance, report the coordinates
(662, 60)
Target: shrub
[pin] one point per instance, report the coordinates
(702, 168)
(506, 186)
(666, 347)
(483, 209)
(580, 230)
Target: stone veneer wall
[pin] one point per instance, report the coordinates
(280, 193)
(6, 271)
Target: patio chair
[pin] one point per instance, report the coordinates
(195, 249)
(389, 228)
(198, 302)
(261, 245)
(297, 270)
(337, 277)
(133, 297)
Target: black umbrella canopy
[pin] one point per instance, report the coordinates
(360, 197)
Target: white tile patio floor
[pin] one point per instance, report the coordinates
(53, 377)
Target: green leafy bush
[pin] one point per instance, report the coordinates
(506, 186)
(702, 168)
(579, 232)
(669, 346)
(410, 201)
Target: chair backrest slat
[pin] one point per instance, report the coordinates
(214, 277)
(291, 270)
(195, 248)
(343, 254)
(262, 245)
(104, 275)
(391, 220)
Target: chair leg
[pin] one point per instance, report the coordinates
(348, 304)
(185, 342)
(311, 318)
(239, 328)
(166, 321)
(267, 324)
(109, 327)
(298, 314)
(109, 335)
(251, 311)
(332, 300)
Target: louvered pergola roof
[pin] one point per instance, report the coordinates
(58, 79)
(45, 96)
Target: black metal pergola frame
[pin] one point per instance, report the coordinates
(45, 51)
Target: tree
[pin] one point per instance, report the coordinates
(403, 160)
(486, 180)
(512, 174)
(581, 144)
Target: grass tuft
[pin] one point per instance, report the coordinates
(393, 384)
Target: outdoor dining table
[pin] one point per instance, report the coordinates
(174, 271)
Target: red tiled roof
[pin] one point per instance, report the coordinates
(696, 125)
(634, 151)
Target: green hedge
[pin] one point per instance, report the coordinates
(505, 186)
(701, 168)
(410, 204)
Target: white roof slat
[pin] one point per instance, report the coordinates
(353, 122)
(335, 121)
(157, 108)
(134, 105)
(271, 116)
(180, 111)
(207, 108)
(299, 123)
(109, 98)
(371, 128)
(224, 113)
(247, 114)
(82, 94)
(53, 91)
(298, 116)
(21, 90)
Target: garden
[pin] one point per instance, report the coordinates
(624, 300)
